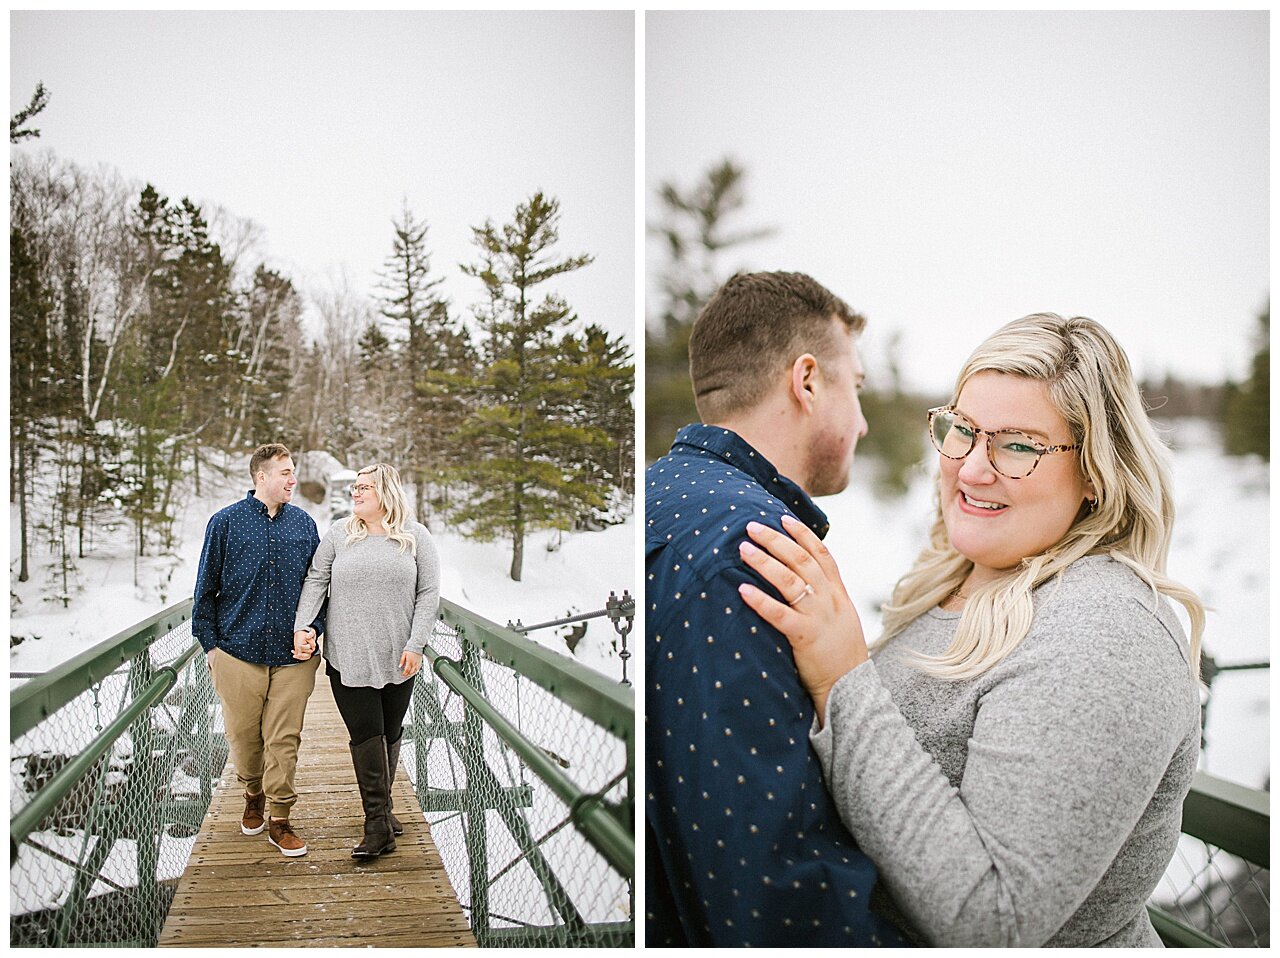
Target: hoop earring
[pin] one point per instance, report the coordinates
(1093, 505)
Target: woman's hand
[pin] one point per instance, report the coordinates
(304, 644)
(820, 622)
(410, 662)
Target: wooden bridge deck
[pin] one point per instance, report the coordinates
(238, 890)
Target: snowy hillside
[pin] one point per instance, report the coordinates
(118, 591)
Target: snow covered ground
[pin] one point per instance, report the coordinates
(575, 578)
(1220, 549)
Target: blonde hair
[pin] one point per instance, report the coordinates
(396, 511)
(1091, 385)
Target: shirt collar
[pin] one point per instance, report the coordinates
(261, 506)
(727, 445)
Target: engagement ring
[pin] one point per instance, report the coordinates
(808, 590)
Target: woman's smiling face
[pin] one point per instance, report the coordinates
(992, 520)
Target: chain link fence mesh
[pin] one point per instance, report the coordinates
(522, 871)
(1217, 893)
(101, 865)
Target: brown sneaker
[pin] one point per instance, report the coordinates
(285, 838)
(254, 808)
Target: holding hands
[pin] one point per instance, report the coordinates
(820, 621)
(304, 644)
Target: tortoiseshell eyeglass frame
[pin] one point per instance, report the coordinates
(1041, 450)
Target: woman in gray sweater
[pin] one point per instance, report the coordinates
(1014, 753)
(381, 573)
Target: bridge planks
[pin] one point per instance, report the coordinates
(239, 890)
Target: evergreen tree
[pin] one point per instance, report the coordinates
(1247, 410)
(604, 364)
(129, 339)
(178, 371)
(412, 303)
(379, 399)
(29, 377)
(268, 336)
(695, 232)
(444, 403)
(895, 440)
(530, 465)
(39, 100)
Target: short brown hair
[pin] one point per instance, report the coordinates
(272, 450)
(754, 325)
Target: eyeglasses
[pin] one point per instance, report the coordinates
(364, 489)
(1013, 454)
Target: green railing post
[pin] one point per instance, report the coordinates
(477, 825)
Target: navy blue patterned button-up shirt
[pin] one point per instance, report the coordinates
(250, 578)
(744, 845)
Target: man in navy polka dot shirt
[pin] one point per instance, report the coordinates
(743, 844)
(255, 558)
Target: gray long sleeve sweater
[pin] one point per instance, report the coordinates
(381, 602)
(1039, 803)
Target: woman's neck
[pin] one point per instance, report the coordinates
(374, 527)
(976, 579)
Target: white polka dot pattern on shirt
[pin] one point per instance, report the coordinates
(727, 721)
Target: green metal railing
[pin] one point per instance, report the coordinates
(510, 744)
(1217, 890)
(115, 754)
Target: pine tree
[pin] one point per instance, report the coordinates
(178, 370)
(29, 369)
(378, 400)
(604, 363)
(694, 234)
(268, 335)
(444, 401)
(412, 303)
(39, 100)
(529, 468)
(1247, 411)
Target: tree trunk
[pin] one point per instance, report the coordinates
(517, 534)
(23, 574)
(82, 498)
(170, 479)
(517, 556)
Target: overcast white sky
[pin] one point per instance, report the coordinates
(317, 124)
(948, 172)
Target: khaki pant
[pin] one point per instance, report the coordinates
(262, 710)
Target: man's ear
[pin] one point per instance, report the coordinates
(804, 378)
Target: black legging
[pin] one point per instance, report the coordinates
(369, 712)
